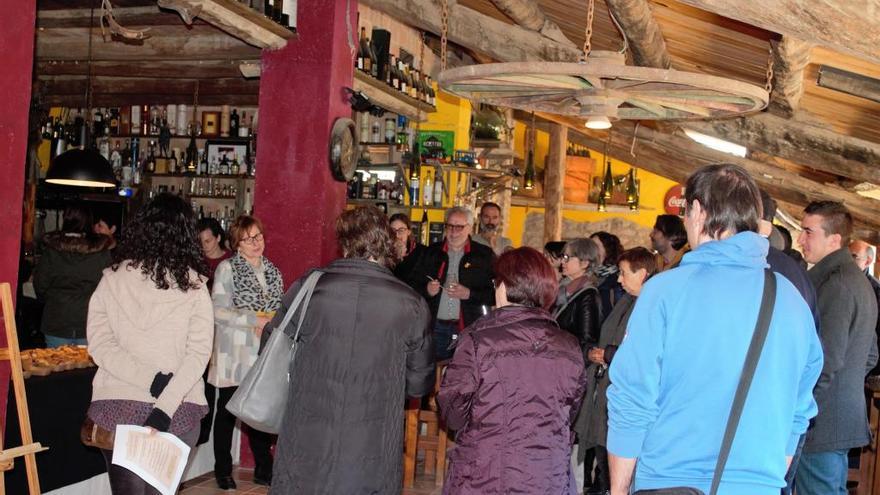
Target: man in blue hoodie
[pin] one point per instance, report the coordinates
(674, 377)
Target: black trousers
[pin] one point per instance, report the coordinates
(208, 420)
(600, 480)
(124, 482)
(224, 424)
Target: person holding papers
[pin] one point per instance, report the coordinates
(150, 330)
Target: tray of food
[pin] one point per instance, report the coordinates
(41, 362)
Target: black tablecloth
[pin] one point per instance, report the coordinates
(57, 405)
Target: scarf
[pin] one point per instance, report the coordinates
(606, 270)
(248, 293)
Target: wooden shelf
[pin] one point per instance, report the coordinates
(156, 137)
(203, 176)
(539, 203)
(390, 99)
(404, 206)
(209, 196)
(236, 19)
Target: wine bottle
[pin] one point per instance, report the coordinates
(150, 164)
(426, 234)
(414, 186)
(173, 163)
(401, 72)
(438, 189)
(365, 63)
(233, 123)
(395, 76)
(135, 119)
(374, 66)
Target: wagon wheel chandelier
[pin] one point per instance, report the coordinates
(601, 87)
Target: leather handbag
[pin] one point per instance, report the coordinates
(762, 327)
(93, 435)
(261, 398)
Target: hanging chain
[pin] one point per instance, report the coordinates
(532, 133)
(769, 85)
(444, 20)
(588, 32)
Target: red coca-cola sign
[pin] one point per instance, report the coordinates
(674, 201)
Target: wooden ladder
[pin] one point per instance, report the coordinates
(29, 448)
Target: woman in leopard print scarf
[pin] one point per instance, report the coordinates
(247, 291)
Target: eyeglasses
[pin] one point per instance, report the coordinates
(250, 241)
(400, 230)
(455, 228)
(566, 257)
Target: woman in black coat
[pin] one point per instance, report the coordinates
(580, 314)
(610, 290)
(365, 346)
(635, 267)
(407, 248)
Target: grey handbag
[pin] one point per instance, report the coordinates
(261, 399)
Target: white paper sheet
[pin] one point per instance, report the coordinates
(158, 458)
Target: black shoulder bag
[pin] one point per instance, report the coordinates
(742, 390)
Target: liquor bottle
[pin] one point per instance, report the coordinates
(135, 119)
(233, 123)
(374, 65)
(395, 75)
(438, 189)
(432, 96)
(135, 152)
(145, 120)
(365, 128)
(116, 159)
(173, 163)
(364, 61)
(224, 166)
(413, 90)
(390, 131)
(414, 186)
(98, 124)
(428, 191)
(608, 181)
(376, 136)
(150, 164)
(224, 121)
(401, 72)
(248, 201)
(203, 164)
(171, 116)
(183, 121)
(155, 120)
(235, 168)
(243, 129)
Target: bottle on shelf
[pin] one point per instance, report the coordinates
(374, 65)
(150, 164)
(173, 163)
(390, 130)
(401, 72)
(438, 189)
(233, 123)
(135, 119)
(155, 120)
(394, 74)
(414, 186)
(145, 120)
(224, 166)
(364, 61)
(235, 168)
(365, 127)
(428, 191)
(376, 136)
(426, 235)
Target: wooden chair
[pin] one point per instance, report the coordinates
(432, 442)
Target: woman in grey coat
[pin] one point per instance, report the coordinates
(635, 267)
(365, 346)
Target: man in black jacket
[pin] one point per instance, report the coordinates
(456, 280)
(864, 256)
(848, 316)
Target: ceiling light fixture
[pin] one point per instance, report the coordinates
(599, 123)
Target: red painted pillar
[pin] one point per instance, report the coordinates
(17, 47)
(301, 94)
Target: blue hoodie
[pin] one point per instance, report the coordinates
(674, 377)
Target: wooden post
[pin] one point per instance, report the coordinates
(554, 177)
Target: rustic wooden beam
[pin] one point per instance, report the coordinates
(127, 16)
(186, 69)
(478, 32)
(166, 43)
(646, 41)
(849, 26)
(528, 14)
(676, 157)
(849, 83)
(554, 182)
(118, 100)
(800, 142)
(790, 59)
(62, 85)
(235, 18)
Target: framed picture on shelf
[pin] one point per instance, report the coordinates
(216, 150)
(211, 124)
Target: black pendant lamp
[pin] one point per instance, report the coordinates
(82, 167)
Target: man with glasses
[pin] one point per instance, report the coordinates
(864, 256)
(455, 277)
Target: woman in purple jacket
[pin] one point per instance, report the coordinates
(513, 389)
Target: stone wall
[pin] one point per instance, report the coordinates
(630, 233)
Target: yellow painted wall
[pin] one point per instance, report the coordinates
(653, 190)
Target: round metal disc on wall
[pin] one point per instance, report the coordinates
(343, 152)
(604, 86)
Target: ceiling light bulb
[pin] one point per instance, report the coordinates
(601, 122)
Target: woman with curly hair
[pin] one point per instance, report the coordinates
(247, 291)
(365, 345)
(150, 329)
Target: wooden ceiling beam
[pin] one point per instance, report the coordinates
(185, 69)
(790, 59)
(166, 43)
(119, 100)
(800, 142)
(528, 14)
(478, 32)
(127, 16)
(846, 25)
(646, 42)
(62, 85)
(676, 157)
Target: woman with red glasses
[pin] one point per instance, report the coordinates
(513, 389)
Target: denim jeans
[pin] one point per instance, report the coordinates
(822, 473)
(790, 476)
(52, 341)
(445, 333)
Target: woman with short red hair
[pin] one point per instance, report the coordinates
(513, 389)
